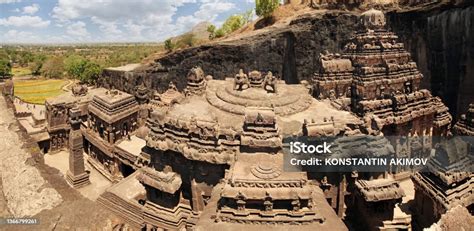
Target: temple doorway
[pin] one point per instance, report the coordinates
(126, 170)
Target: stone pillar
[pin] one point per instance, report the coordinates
(76, 176)
(341, 194)
(198, 203)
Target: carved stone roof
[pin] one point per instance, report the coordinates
(465, 126)
(168, 98)
(259, 175)
(379, 189)
(69, 98)
(333, 63)
(261, 116)
(113, 105)
(214, 126)
(168, 182)
(290, 99)
(457, 193)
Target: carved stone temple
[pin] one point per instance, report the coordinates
(112, 118)
(449, 180)
(210, 157)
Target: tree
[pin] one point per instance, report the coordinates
(212, 30)
(91, 73)
(169, 46)
(53, 67)
(36, 65)
(219, 33)
(265, 8)
(23, 58)
(74, 66)
(233, 23)
(5, 68)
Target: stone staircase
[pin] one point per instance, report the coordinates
(129, 211)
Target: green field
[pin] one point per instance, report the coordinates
(38, 90)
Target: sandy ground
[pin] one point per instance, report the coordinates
(99, 183)
(76, 212)
(3, 204)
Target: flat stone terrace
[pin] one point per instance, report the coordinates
(226, 106)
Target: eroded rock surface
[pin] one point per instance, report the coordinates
(25, 191)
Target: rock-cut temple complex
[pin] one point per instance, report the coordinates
(210, 157)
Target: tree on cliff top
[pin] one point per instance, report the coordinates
(169, 46)
(211, 29)
(231, 24)
(265, 8)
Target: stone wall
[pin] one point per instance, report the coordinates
(442, 44)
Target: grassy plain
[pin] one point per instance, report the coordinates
(38, 90)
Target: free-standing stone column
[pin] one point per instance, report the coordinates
(76, 176)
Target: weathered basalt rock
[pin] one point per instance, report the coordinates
(441, 42)
(291, 52)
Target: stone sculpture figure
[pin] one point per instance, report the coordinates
(240, 81)
(255, 79)
(79, 90)
(195, 75)
(270, 80)
(196, 82)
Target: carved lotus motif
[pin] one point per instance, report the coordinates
(266, 171)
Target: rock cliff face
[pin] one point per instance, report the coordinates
(442, 44)
(290, 52)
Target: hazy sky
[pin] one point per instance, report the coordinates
(71, 21)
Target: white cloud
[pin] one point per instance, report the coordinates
(209, 10)
(31, 9)
(24, 21)
(14, 36)
(77, 29)
(111, 10)
(9, 1)
(106, 26)
(134, 30)
(111, 20)
(141, 19)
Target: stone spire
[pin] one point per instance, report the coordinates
(76, 176)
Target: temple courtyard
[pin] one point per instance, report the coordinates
(24, 174)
